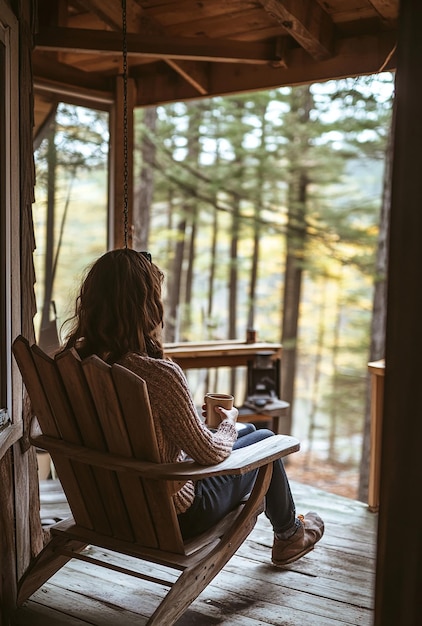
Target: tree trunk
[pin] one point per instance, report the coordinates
(256, 224)
(191, 207)
(317, 366)
(296, 237)
(234, 243)
(213, 263)
(145, 190)
(187, 317)
(174, 285)
(174, 269)
(301, 102)
(335, 353)
(213, 253)
(49, 253)
(379, 310)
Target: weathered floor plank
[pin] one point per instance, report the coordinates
(331, 586)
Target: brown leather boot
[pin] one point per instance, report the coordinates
(301, 542)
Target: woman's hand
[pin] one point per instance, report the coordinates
(229, 414)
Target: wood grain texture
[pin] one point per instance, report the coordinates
(331, 586)
(120, 494)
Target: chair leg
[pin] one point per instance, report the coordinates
(46, 564)
(195, 578)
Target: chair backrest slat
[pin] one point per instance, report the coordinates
(39, 401)
(51, 381)
(134, 400)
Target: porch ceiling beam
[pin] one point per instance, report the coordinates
(173, 48)
(355, 55)
(158, 85)
(48, 69)
(110, 13)
(306, 22)
(101, 99)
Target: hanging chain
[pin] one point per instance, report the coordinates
(125, 128)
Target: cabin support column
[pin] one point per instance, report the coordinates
(397, 596)
(117, 166)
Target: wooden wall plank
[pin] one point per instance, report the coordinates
(23, 489)
(7, 539)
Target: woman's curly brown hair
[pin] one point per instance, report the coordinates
(119, 308)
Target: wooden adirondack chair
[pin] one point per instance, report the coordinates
(96, 423)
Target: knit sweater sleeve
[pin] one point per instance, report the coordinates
(173, 407)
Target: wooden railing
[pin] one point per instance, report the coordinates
(218, 353)
(210, 354)
(376, 369)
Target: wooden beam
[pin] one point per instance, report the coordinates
(192, 48)
(46, 68)
(398, 575)
(387, 9)
(355, 56)
(306, 22)
(110, 12)
(78, 95)
(363, 55)
(196, 74)
(158, 84)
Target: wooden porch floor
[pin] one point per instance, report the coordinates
(331, 586)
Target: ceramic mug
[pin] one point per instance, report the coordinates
(216, 399)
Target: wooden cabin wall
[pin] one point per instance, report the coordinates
(20, 531)
(399, 563)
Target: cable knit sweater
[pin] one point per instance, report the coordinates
(180, 432)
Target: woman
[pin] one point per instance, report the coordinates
(119, 317)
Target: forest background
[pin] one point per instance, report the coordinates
(264, 211)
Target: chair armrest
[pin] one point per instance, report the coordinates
(239, 462)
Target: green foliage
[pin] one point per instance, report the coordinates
(79, 202)
(246, 155)
(81, 138)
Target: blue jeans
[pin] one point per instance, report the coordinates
(218, 495)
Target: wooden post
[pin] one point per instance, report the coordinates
(117, 218)
(376, 369)
(399, 556)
